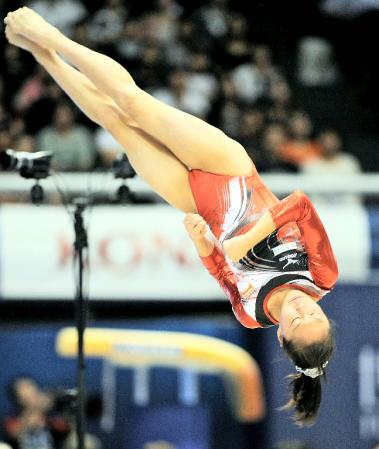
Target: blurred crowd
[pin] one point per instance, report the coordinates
(41, 419)
(44, 419)
(201, 60)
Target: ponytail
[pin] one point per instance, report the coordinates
(306, 399)
(306, 386)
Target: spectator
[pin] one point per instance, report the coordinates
(280, 96)
(251, 127)
(31, 90)
(200, 79)
(254, 79)
(178, 52)
(81, 34)
(300, 148)
(152, 70)
(25, 143)
(316, 65)
(32, 427)
(64, 14)
(273, 138)
(227, 109)
(38, 115)
(333, 161)
(108, 147)
(72, 145)
(107, 24)
(234, 50)
(5, 139)
(130, 45)
(16, 129)
(182, 97)
(160, 26)
(13, 71)
(214, 17)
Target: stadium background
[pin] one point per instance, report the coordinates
(144, 274)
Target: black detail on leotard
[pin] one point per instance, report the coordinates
(263, 256)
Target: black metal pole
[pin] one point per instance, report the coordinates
(81, 242)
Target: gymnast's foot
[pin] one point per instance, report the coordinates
(21, 41)
(27, 23)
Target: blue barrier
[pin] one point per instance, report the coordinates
(373, 215)
(346, 422)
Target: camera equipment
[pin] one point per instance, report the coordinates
(30, 166)
(122, 169)
(65, 400)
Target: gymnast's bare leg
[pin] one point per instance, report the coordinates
(195, 143)
(152, 160)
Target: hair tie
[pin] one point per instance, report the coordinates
(312, 372)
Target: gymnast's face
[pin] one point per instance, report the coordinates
(302, 320)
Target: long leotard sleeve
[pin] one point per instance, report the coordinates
(321, 260)
(218, 267)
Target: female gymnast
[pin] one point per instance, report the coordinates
(272, 258)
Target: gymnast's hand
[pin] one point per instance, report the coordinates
(27, 23)
(195, 226)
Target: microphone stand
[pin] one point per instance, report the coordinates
(81, 242)
(37, 167)
(123, 170)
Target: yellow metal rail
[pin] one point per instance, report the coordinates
(133, 348)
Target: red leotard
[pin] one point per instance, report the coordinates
(298, 253)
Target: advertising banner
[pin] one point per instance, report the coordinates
(137, 252)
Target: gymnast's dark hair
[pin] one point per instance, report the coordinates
(307, 391)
